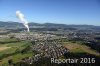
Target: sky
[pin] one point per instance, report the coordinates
(52, 11)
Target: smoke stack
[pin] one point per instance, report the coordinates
(22, 19)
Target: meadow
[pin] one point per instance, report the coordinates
(14, 49)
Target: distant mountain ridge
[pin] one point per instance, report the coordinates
(47, 25)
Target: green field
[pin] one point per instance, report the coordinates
(13, 49)
(80, 48)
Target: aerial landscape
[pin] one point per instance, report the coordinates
(49, 33)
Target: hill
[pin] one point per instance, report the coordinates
(11, 24)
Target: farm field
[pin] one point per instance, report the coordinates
(13, 49)
(80, 48)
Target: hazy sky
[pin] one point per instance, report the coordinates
(53, 11)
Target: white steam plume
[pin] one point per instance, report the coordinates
(22, 19)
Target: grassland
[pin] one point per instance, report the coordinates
(12, 49)
(80, 48)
